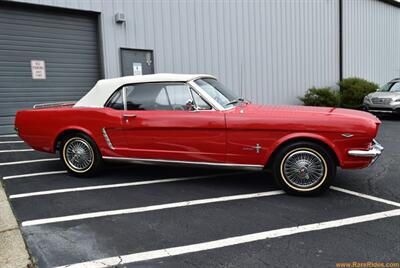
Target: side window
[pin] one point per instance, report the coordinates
(178, 95)
(157, 96)
(143, 96)
(199, 102)
(395, 87)
(162, 98)
(115, 102)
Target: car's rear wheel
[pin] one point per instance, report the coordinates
(80, 155)
(304, 168)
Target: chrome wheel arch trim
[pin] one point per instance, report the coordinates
(141, 160)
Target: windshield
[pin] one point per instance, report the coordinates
(218, 92)
(391, 87)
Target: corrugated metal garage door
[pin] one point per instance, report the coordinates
(66, 41)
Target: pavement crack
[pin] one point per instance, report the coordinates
(120, 261)
(166, 251)
(263, 262)
(383, 170)
(107, 265)
(67, 238)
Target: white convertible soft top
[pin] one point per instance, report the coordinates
(103, 89)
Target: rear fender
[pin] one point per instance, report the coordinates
(71, 129)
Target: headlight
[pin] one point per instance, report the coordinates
(366, 98)
(396, 100)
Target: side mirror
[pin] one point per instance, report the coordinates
(190, 106)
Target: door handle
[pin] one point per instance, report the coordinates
(127, 116)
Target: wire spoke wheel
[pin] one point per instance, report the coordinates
(78, 154)
(303, 168)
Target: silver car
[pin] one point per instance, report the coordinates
(385, 100)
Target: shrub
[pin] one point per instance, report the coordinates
(353, 90)
(325, 96)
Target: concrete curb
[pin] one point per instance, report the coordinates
(13, 252)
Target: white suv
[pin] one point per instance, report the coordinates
(385, 100)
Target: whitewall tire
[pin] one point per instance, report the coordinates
(80, 155)
(304, 168)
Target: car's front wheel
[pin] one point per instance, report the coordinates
(304, 168)
(80, 155)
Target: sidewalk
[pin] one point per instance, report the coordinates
(13, 253)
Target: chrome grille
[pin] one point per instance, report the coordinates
(381, 100)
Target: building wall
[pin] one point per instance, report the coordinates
(267, 51)
(371, 36)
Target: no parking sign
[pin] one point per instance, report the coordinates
(38, 68)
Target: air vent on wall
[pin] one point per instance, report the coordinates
(120, 17)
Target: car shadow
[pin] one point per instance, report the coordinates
(209, 177)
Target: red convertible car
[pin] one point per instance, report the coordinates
(194, 119)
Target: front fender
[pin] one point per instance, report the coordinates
(305, 136)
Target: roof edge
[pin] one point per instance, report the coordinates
(391, 2)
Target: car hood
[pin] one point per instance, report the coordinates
(380, 94)
(294, 111)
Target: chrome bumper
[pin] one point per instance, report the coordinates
(382, 111)
(381, 108)
(375, 151)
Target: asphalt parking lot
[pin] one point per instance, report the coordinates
(146, 216)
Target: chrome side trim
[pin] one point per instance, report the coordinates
(53, 104)
(182, 162)
(103, 130)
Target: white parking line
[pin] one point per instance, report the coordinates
(370, 197)
(16, 150)
(28, 161)
(34, 174)
(7, 142)
(108, 186)
(149, 208)
(231, 241)
(8, 135)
